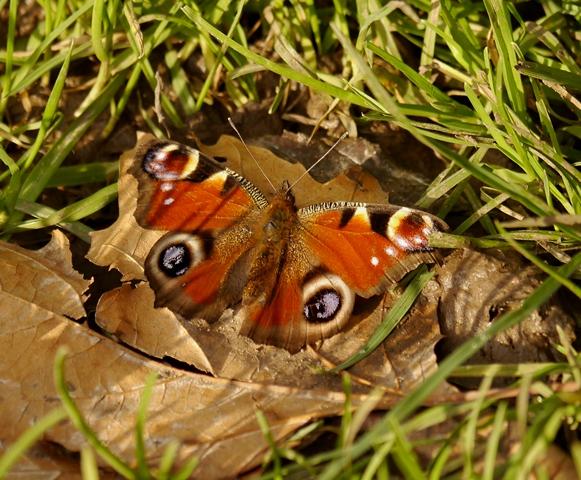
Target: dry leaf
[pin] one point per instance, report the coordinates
(124, 245)
(46, 276)
(127, 313)
(308, 190)
(44, 461)
(406, 358)
(479, 287)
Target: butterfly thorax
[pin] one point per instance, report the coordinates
(278, 218)
(278, 221)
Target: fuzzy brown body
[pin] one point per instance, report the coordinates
(277, 221)
(297, 271)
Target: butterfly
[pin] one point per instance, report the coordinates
(296, 272)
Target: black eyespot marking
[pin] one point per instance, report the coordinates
(379, 222)
(323, 306)
(168, 161)
(153, 165)
(229, 185)
(411, 231)
(175, 260)
(346, 216)
(207, 245)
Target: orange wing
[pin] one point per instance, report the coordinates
(200, 275)
(368, 246)
(199, 267)
(305, 305)
(337, 250)
(180, 189)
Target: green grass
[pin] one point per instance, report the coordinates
(464, 78)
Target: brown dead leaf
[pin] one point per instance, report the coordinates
(124, 245)
(349, 153)
(46, 461)
(45, 276)
(406, 358)
(127, 313)
(479, 287)
(308, 190)
(214, 419)
(130, 316)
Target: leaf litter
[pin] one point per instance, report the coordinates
(208, 398)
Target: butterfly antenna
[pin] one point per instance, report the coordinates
(318, 161)
(250, 153)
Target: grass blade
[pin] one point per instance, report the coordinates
(29, 438)
(399, 309)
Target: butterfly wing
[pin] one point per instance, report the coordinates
(181, 189)
(197, 268)
(369, 246)
(337, 251)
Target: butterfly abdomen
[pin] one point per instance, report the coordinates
(276, 224)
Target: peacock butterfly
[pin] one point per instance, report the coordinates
(296, 271)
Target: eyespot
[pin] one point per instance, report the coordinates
(175, 260)
(409, 229)
(177, 253)
(323, 306)
(170, 162)
(327, 300)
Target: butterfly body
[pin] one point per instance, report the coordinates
(273, 227)
(295, 271)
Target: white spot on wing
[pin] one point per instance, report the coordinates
(374, 261)
(166, 187)
(390, 251)
(169, 201)
(402, 243)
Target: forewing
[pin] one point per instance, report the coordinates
(180, 189)
(369, 246)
